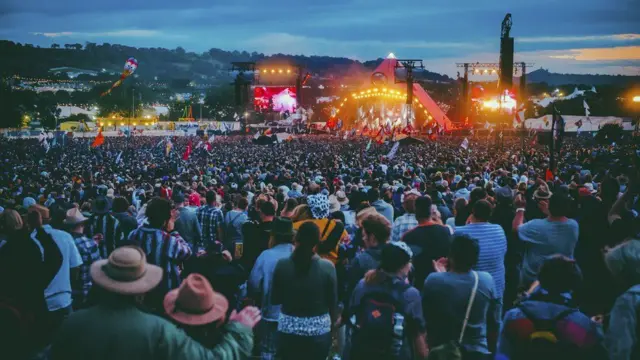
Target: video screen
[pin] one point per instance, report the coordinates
(274, 98)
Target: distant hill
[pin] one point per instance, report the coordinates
(165, 64)
(554, 79)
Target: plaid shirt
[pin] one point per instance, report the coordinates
(89, 252)
(165, 250)
(109, 227)
(211, 220)
(403, 224)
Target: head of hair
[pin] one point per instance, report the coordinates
(306, 239)
(623, 261)
(378, 226)
(409, 203)
(477, 194)
(267, 209)
(460, 205)
(464, 253)
(211, 197)
(158, 212)
(393, 258)
(423, 207)
(373, 194)
(482, 210)
(559, 204)
(120, 204)
(559, 274)
(290, 204)
(301, 212)
(242, 203)
(337, 215)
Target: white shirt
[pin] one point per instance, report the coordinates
(58, 293)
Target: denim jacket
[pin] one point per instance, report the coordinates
(261, 278)
(621, 338)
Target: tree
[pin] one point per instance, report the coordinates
(47, 109)
(609, 133)
(67, 46)
(55, 46)
(10, 108)
(77, 46)
(79, 118)
(63, 97)
(180, 51)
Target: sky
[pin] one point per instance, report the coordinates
(570, 36)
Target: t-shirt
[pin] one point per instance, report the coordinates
(58, 293)
(428, 243)
(412, 311)
(493, 248)
(445, 298)
(543, 238)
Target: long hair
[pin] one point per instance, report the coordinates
(307, 238)
(301, 212)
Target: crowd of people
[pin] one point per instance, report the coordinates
(318, 248)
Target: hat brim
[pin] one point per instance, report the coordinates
(217, 312)
(75, 221)
(343, 201)
(146, 283)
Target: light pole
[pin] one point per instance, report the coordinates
(636, 100)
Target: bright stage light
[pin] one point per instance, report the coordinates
(636, 99)
(369, 91)
(288, 71)
(134, 124)
(491, 104)
(384, 89)
(273, 71)
(264, 71)
(280, 71)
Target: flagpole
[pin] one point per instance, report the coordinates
(551, 143)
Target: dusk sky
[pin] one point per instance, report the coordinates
(577, 36)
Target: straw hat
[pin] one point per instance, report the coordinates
(342, 197)
(195, 302)
(126, 272)
(74, 216)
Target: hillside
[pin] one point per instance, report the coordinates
(164, 64)
(554, 79)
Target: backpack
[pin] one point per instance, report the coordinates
(378, 329)
(454, 350)
(543, 342)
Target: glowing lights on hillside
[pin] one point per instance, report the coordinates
(375, 92)
(274, 71)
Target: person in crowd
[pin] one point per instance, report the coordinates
(211, 220)
(25, 273)
(306, 287)
(429, 241)
(408, 220)
(550, 309)
(257, 234)
(163, 247)
(58, 292)
(89, 253)
(503, 215)
(187, 224)
(332, 232)
(380, 205)
(103, 227)
(376, 332)
(233, 221)
(289, 206)
(460, 213)
(556, 234)
(461, 304)
(621, 340)
(260, 285)
(124, 278)
(296, 191)
(492, 242)
(126, 220)
(375, 234)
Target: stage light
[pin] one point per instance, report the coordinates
(110, 124)
(354, 95)
(288, 71)
(361, 92)
(375, 89)
(341, 105)
(425, 112)
(337, 111)
(369, 91)
(420, 105)
(121, 124)
(280, 71)
(636, 99)
(273, 71)
(384, 89)
(493, 71)
(430, 117)
(146, 124)
(134, 124)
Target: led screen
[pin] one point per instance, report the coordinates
(274, 98)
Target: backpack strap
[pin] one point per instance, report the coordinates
(469, 306)
(333, 238)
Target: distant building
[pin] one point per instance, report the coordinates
(72, 72)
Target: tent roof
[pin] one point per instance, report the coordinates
(387, 67)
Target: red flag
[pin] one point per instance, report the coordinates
(268, 132)
(99, 140)
(548, 176)
(187, 152)
(209, 147)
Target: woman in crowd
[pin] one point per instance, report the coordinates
(306, 286)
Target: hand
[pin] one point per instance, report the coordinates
(249, 316)
(226, 255)
(543, 205)
(441, 264)
(98, 238)
(520, 201)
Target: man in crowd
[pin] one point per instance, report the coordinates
(211, 221)
(408, 220)
(187, 224)
(103, 227)
(380, 205)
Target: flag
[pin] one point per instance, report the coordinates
(465, 144)
(586, 108)
(545, 119)
(257, 135)
(520, 117)
(235, 116)
(211, 139)
(368, 146)
(45, 145)
(500, 135)
(579, 123)
(268, 132)
(209, 147)
(118, 157)
(168, 147)
(394, 150)
(187, 152)
(548, 175)
(346, 134)
(487, 125)
(99, 140)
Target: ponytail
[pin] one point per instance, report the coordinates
(307, 238)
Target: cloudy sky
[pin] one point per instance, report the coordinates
(577, 36)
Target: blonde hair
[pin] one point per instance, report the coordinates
(301, 213)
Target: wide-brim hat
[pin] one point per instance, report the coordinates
(342, 197)
(542, 193)
(126, 272)
(282, 226)
(195, 302)
(101, 205)
(74, 217)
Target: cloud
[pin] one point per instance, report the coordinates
(117, 33)
(568, 39)
(619, 53)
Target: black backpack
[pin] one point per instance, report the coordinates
(543, 342)
(378, 329)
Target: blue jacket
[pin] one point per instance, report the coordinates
(384, 209)
(622, 335)
(261, 278)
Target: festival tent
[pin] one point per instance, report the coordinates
(387, 71)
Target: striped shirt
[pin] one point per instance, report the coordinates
(211, 219)
(163, 249)
(109, 227)
(493, 247)
(401, 225)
